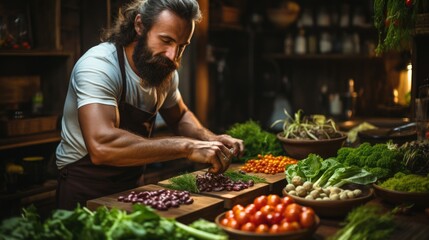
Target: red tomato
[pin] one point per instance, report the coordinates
(248, 227)
(280, 208)
(232, 223)
(289, 226)
(287, 200)
(262, 228)
(306, 219)
(273, 200)
(275, 228)
(237, 208)
(250, 209)
(258, 218)
(267, 209)
(308, 209)
(229, 214)
(260, 201)
(292, 212)
(224, 222)
(242, 217)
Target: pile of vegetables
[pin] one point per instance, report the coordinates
(256, 140)
(366, 222)
(81, 223)
(268, 164)
(269, 214)
(328, 173)
(208, 182)
(162, 199)
(310, 191)
(382, 160)
(407, 183)
(315, 127)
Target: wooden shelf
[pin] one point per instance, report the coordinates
(281, 56)
(33, 191)
(34, 53)
(28, 140)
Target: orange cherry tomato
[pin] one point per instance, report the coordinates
(287, 200)
(273, 200)
(242, 217)
(258, 218)
(224, 222)
(260, 201)
(248, 227)
(292, 212)
(262, 228)
(232, 223)
(306, 219)
(250, 209)
(229, 214)
(275, 228)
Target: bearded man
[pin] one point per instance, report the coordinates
(116, 90)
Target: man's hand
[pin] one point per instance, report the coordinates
(235, 145)
(212, 152)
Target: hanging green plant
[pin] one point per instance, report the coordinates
(394, 20)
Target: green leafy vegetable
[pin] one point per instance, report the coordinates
(142, 223)
(407, 183)
(329, 172)
(256, 140)
(366, 222)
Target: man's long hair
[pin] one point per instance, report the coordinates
(123, 32)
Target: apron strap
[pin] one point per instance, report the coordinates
(121, 58)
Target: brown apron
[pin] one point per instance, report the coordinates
(81, 181)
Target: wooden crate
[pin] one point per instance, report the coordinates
(25, 126)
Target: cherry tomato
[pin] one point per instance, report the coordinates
(287, 200)
(273, 218)
(292, 212)
(306, 219)
(273, 200)
(260, 201)
(258, 218)
(267, 209)
(286, 227)
(224, 222)
(250, 209)
(262, 228)
(242, 217)
(248, 227)
(275, 228)
(229, 214)
(232, 223)
(279, 208)
(237, 208)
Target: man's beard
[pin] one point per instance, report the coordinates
(155, 70)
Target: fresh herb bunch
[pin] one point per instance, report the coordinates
(184, 182)
(366, 222)
(104, 223)
(256, 140)
(416, 156)
(394, 20)
(237, 176)
(313, 127)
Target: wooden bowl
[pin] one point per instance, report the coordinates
(242, 235)
(335, 208)
(300, 148)
(419, 199)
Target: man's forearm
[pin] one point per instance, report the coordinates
(189, 126)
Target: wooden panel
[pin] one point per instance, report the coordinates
(231, 198)
(202, 207)
(18, 89)
(276, 181)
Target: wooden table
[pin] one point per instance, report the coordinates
(231, 198)
(202, 207)
(209, 205)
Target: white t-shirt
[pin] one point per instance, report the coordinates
(96, 78)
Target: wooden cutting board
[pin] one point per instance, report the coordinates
(276, 181)
(202, 207)
(232, 198)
